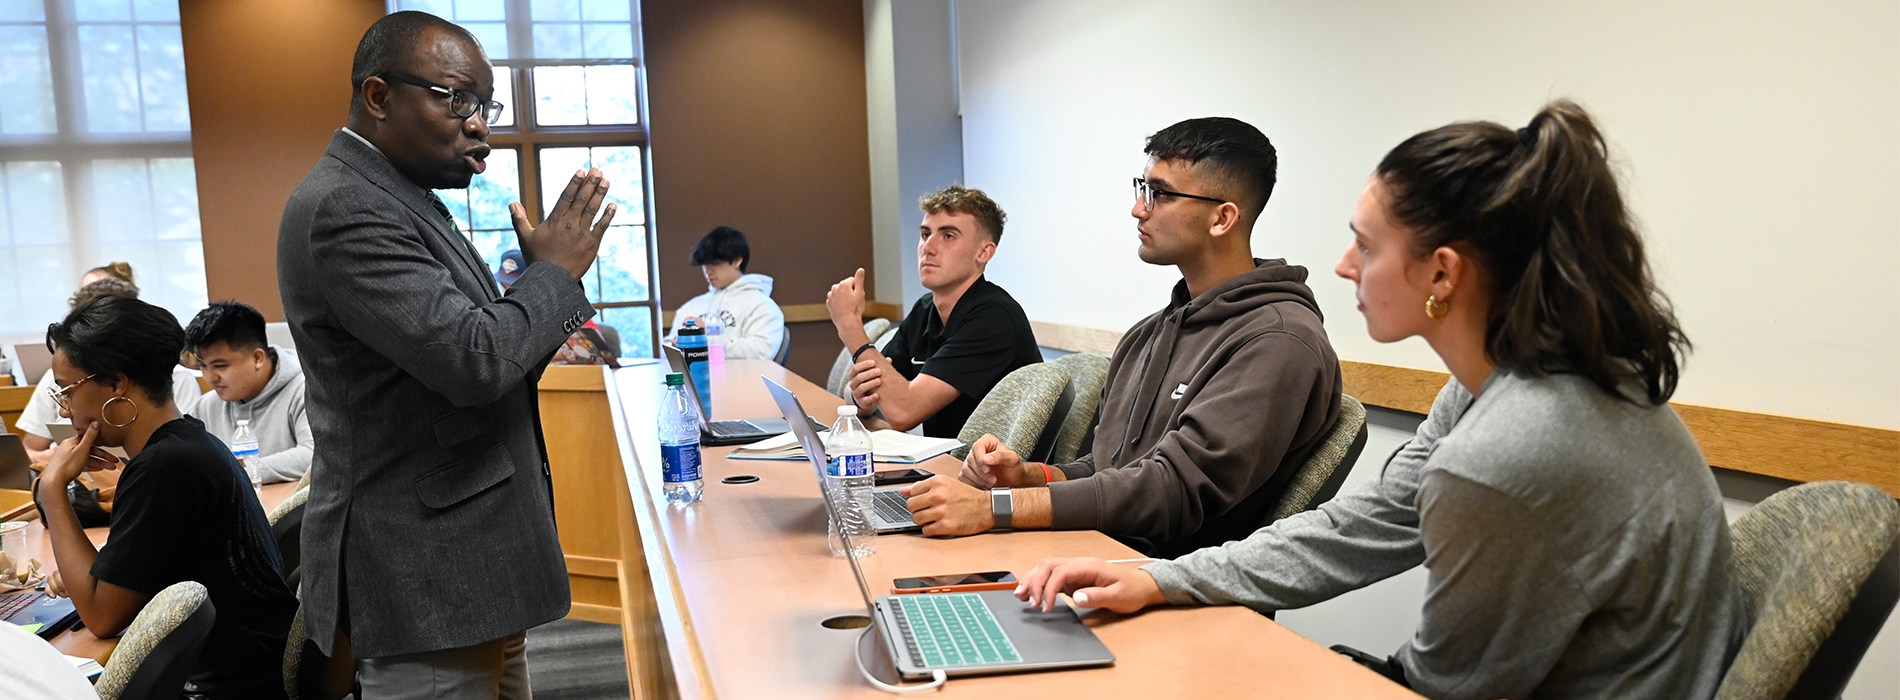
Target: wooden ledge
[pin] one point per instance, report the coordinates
(1784, 447)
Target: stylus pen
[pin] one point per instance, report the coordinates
(1139, 560)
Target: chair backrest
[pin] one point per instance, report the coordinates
(1818, 568)
(784, 346)
(1017, 409)
(308, 674)
(286, 526)
(161, 647)
(1320, 475)
(880, 332)
(1087, 374)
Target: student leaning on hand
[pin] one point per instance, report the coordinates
(1572, 530)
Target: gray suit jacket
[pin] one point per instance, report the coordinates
(430, 523)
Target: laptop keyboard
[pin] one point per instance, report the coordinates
(12, 603)
(951, 629)
(729, 428)
(892, 507)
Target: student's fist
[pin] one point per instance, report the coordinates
(845, 303)
(991, 464)
(947, 507)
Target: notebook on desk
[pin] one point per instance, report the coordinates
(720, 433)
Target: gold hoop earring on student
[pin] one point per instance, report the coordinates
(1435, 309)
(103, 410)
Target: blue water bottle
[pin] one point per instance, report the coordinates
(692, 342)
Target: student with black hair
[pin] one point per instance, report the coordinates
(1573, 534)
(251, 380)
(184, 509)
(1211, 403)
(754, 325)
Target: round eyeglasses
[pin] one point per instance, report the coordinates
(462, 103)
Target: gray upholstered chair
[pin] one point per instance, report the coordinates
(1320, 475)
(1087, 374)
(1018, 409)
(160, 648)
(1820, 569)
(308, 674)
(286, 527)
(880, 332)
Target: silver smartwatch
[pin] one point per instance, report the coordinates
(1002, 507)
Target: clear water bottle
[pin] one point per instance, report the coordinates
(715, 341)
(244, 448)
(679, 444)
(849, 477)
(692, 345)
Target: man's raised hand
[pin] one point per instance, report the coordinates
(569, 237)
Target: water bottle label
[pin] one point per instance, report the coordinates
(680, 463)
(851, 465)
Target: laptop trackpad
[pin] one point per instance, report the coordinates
(1054, 637)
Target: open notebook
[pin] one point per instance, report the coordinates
(886, 446)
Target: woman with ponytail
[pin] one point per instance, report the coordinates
(1572, 532)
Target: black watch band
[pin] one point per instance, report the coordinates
(861, 349)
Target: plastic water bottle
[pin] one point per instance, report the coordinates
(850, 479)
(692, 343)
(715, 341)
(679, 444)
(244, 448)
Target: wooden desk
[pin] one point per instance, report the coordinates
(82, 642)
(739, 585)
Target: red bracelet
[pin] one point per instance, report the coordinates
(1048, 475)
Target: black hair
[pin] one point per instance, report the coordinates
(233, 323)
(1539, 211)
(1237, 157)
(390, 44)
(115, 334)
(102, 287)
(723, 244)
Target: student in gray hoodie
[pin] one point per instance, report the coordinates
(254, 381)
(1210, 404)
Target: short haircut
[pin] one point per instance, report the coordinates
(389, 45)
(723, 244)
(957, 199)
(1234, 155)
(233, 323)
(116, 334)
(102, 287)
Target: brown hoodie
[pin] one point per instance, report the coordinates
(1209, 407)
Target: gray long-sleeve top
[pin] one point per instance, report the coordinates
(1575, 545)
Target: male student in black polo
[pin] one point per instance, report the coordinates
(957, 341)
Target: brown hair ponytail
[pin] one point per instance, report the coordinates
(121, 271)
(1540, 212)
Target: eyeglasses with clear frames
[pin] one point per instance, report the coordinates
(59, 392)
(462, 103)
(1146, 194)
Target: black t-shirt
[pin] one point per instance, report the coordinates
(185, 511)
(986, 338)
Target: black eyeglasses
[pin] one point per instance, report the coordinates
(1146, 194)
(462, 103)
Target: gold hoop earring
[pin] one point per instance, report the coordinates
(1433, 304)
(135, 412)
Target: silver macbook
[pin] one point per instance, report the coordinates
(720, 433)
(889, 513)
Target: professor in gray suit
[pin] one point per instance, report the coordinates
(429, 545)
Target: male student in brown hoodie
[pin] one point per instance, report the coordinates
(1211, 403)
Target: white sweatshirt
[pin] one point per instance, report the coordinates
(754, 324)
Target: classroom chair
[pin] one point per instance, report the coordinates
(1319, 477)
(784, 347)
(308, 674)
(1819, 566)
(161, 646)
(286, 527)
(1018, 411)
(1087, 374)
(880, 332)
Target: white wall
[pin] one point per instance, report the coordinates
(916, 135)
(1759, 144)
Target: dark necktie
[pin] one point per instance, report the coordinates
(443, 210)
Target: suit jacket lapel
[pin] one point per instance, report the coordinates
(377, 169)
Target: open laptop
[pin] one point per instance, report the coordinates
(16, 469)
(889, 514)
(720, 433)
(29, 608)
(968, 634)
(34, 361)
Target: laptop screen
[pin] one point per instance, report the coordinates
(794, 413)
(676, 362)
